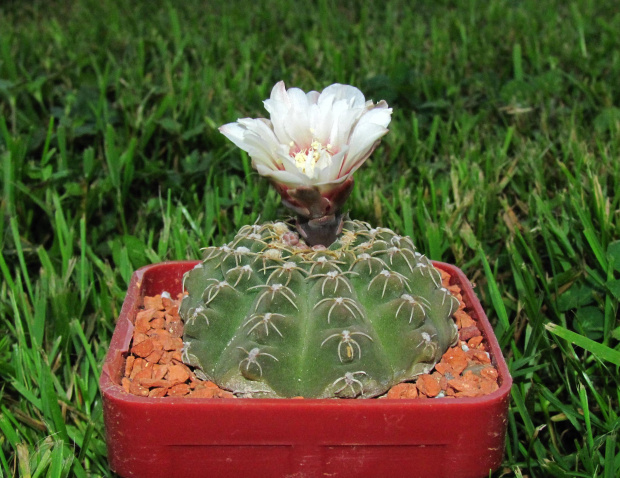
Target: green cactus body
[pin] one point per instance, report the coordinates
(267, 316)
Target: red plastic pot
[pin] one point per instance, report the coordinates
(193, 437)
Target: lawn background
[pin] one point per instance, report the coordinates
(503, 158)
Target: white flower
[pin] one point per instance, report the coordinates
(313, 139)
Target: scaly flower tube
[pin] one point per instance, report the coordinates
(310, 148)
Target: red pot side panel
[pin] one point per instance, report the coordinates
(194, 437)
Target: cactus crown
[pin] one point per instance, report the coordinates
(268, 316)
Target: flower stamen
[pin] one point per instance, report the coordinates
(316, 156)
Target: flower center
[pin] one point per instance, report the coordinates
(317, 156)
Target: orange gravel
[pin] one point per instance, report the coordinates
(154, 367)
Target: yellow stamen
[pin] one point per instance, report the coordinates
(307, 160)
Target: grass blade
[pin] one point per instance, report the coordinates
(600, 351)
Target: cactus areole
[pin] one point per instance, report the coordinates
(326, 307)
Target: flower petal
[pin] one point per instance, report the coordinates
(235, 133)
(353, 96)
(297, 121)
(255, 137)
(344, 121)
(363, 142)
(278, 106)
(371, 126)
(379, 114)
(285, 178)
(313, 97)
(330, 173)
(329, 186)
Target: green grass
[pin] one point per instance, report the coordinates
(503, 158)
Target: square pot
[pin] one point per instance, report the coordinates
(197, 437)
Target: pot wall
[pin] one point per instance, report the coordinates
(163, 437)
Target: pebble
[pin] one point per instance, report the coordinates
(456, 358)
(403, 390)
(153, 302)
(143, 348)
(428, 386)
(467, 333)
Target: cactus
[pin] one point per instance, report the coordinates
(268, 316)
